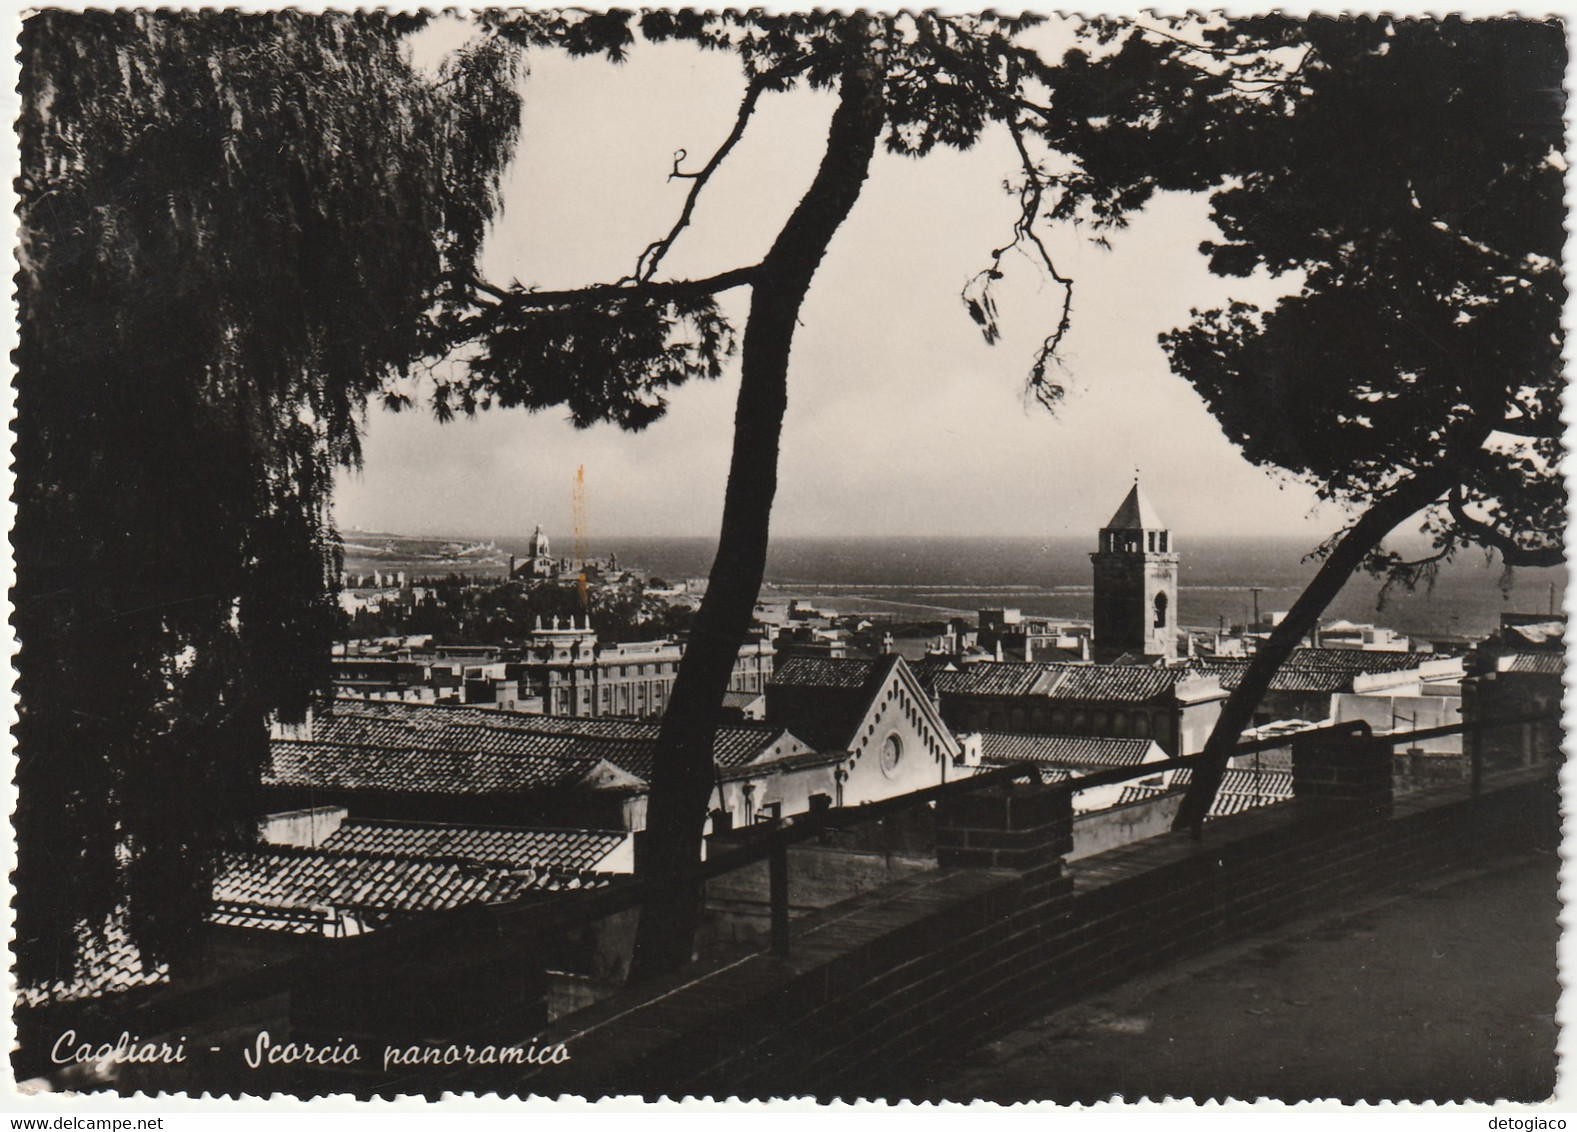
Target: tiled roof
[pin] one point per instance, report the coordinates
(109, 966)
(389, 723)
(991, 678)
(1050, 775)
(1311, 670)
(416, 770)
(292, 922)
(1542, 663)
(1111, 682)
(1237, 792)
(1101, 682)
(558, 850)
(305, 880)
(829, 698)
(433, 714)
(1317, 680)
(928, 668)
(1269, 783)
(1068, 750)
(823, 672)
(1355, 660)
(1140, 794)
(1541, 632)
(353, 729)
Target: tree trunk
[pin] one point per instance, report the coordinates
(1237, 713)
(683, 772)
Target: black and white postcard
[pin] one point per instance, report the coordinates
(855, 555)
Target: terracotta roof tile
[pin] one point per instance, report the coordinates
(267, 883)
(558, 850)
(109, 966)
(1100, 682)
(990, 678)
(1240, 790)
(823, 672)
(391, 723)
(1312, 670)
(417, 770)
(1541, 663)
(1268, 783)
(999, 748)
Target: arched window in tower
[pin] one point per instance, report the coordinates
(1160, 610)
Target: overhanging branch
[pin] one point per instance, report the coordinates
(646, 264)
(1532, 427)
(519, 301)
(977, 294)
(1511, 551)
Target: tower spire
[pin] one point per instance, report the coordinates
(1135, 582)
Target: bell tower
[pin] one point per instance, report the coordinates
(1135, 584)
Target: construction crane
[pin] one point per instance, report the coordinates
(582, 546)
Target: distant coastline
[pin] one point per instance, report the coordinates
(930, 577)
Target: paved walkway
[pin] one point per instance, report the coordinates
(1445, 992)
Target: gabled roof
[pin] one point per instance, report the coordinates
(1137, 513)
(1241, 780)
(999, 748)
(1240, 790)
(828, 701)
(626, 743)
(1311, 669)
(414, 770)
(1110, 682)
(1101, 682)
(553, 850)
(301, 881)
(110, 966)
(1542, 663)
(1539, 632)
(991, 678)
(829, 697)
(823, 672)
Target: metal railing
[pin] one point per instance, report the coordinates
(771, 841)
(506, 925)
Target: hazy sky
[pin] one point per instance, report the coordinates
(901, 419)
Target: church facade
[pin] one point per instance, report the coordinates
(1135, 585)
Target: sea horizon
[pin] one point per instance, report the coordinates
(931, 577)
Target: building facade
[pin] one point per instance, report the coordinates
(576, 676)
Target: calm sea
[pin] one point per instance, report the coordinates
(926, 576)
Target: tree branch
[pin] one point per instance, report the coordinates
(646, 264)
(520, 301)
(1511, 551)
(1533, 428)
(1202, 48)
(1345, 554)
(981, 306)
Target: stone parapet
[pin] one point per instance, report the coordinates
(1005, 827)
